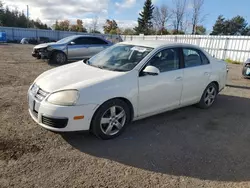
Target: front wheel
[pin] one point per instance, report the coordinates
(59, 58)
(209, 96)
(110, 119)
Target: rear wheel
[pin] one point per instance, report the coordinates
(59, 58)
(209, 96)
(110, 119)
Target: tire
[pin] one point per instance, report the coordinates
(209, 96)
(110, 119)
(59, 58)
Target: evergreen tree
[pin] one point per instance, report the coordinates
(145, 24)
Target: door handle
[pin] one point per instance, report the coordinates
(206, 73)
(178, 78)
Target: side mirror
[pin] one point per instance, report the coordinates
(151, 70)
(72, 43)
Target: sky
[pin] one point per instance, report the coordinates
(125, 12)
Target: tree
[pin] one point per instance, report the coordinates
(64, 25)
(1, 13)
(178, 13)
(219, 26)
(196, 14)
(110, 27)
(200, 30)
(15, 18)
(160, 16)
(145, 20)
(235, 26)
(80, 27)
(128, 31)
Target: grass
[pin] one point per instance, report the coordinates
(232, 61)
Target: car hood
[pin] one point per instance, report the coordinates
(73, 76)
(45, 45)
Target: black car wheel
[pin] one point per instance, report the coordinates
(209, 96)
(110, 119)
(59, 58)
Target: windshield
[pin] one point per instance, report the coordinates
(66, 40)
(120, 57)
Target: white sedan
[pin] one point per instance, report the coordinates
(126, 82)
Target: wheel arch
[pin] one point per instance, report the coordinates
(55, 51)
(217, 85)
(127, 101)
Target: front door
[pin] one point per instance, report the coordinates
(78, 50)
(163, 91)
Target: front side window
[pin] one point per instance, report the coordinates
(193, 58)
(94, 40)
(166, 60)
(80, 41)
(120, 57)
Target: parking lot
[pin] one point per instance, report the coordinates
(188, 147)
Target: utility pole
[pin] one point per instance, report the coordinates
(27, 16)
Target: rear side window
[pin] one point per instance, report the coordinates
(193, 58)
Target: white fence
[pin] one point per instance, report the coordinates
(16, 34)
(236, 48)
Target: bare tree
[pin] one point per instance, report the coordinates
(161, 15)
(178, 13)
(95, 23)
(196, 14)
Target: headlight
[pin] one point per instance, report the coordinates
(64, 98)
(34, 89)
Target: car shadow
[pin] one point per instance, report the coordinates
(208, 144)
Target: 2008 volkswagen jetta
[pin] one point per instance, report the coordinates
(126, 82)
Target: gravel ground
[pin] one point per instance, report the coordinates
(188, 147)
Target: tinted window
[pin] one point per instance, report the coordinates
(97, 41)
(192, 58)
(166, 60)
(80, 41)
(89, 41)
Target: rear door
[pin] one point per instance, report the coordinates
(96, 45)
(197, 71)
(79, 49)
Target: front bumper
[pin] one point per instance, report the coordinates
(60, 118)
(44, 54)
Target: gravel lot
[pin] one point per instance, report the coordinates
(183, 148)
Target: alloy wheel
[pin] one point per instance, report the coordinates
(113, 120)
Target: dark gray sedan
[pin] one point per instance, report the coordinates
(246, 69)
(71, 48)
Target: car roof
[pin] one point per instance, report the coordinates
(157, 43)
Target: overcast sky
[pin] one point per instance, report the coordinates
(125, 12)
(50, 10)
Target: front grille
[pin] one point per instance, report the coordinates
(55, 122)
(41, 94)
